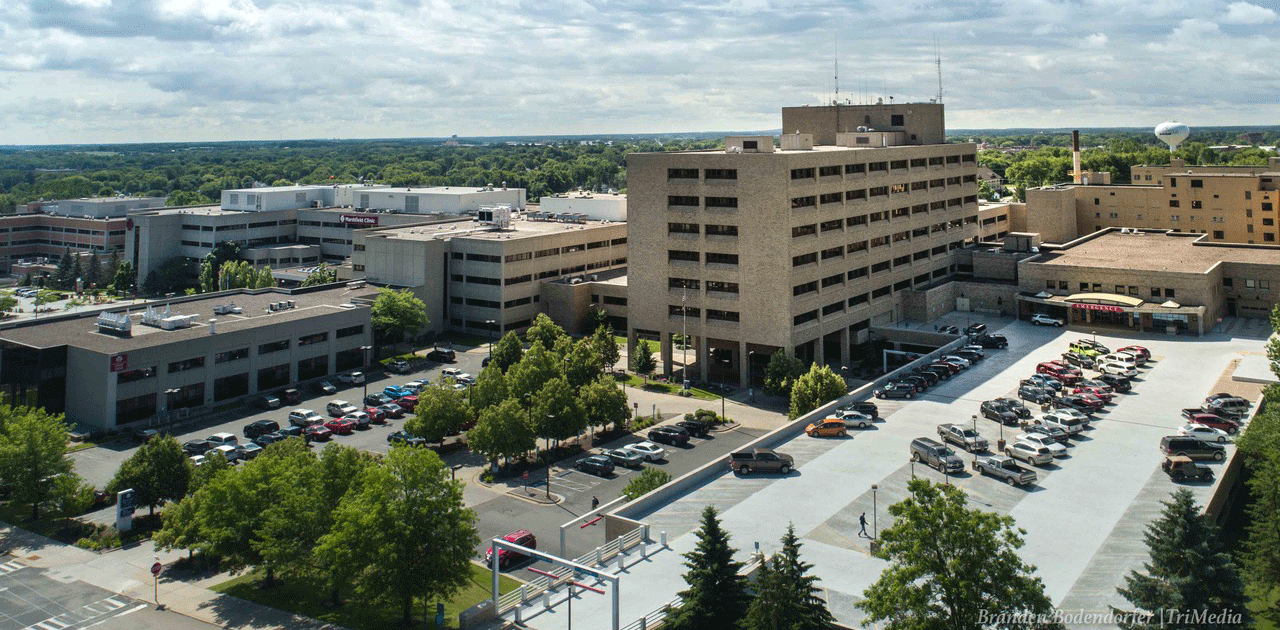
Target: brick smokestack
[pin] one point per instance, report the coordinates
(1075, 156)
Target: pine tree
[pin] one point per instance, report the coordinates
(1190, 573)
(642, 361)
(92, 271)
(787, 596)
(67, 271)
(717, 596)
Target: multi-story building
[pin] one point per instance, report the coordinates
(491, 277)
(95, 207)
(107, 376)
(752, 249)
(41, 239)
(1228, 204)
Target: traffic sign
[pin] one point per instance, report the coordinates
(155, 568)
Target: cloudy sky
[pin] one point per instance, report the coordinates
(74, 71)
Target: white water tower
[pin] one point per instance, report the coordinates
(1172, 133)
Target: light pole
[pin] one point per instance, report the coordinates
(550, 416)
(844, 374)
(490, 323)
(1095, 339)
(364, 354)
(875, 514)
(751, 375)
(453, 471)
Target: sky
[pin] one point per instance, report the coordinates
(107, 71)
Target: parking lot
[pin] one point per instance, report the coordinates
(1084, 516)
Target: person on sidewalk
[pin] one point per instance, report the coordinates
(862, 520)
(595, 503)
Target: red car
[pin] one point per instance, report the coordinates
(392, 410)
(318, 433)
(376, 414)
(522, 537)
(951, 367)
(1058, 372)
(341, 426)
(1217, 422)
(1067, 366)
(407, 403)
(1096, 392)
(1137, 350)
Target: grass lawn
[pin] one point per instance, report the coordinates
(666, 388)
(305, 599)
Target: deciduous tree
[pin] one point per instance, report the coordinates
(581, 364)
(33, 457)
(489, 390)
(781, 374)
(815, 388)
(441, 411)
(503, 430)
(717, 595)
(507, 352)
(606, 347)
(557, 414)
(604, 403)
(396, 313)
(538, 366)
(158, 471)
(544, 330)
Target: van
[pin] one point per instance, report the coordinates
(220, 439)
(935, 454)
(1122, 358)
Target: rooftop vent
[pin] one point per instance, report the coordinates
(117, 324)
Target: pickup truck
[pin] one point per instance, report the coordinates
(962, 436)
(1004, 468)
(762, 459)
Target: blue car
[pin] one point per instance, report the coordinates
(397, 392)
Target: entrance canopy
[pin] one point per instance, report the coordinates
(1104, 298)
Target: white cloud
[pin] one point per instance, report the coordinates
(1246, 13)
(1097, 40)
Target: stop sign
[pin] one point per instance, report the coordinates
(155, 568)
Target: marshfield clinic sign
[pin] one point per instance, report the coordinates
(359, 220)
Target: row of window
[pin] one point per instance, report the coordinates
(864, 219)
(227, 356)
(1120, 289)
(694, 228)
(1249, 283)
(878, 167)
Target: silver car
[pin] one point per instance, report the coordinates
(1029, 452)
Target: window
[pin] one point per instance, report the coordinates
(721, 173)
(802, 173)
(1269, 236)
(830, 198)
(721, 230)
(860, 272)
(516, 302)
(1174, 217)
(880, 266)
(807, 287)
(676, 254)
(683, 283)
(307, 340)
(135, 375)
(1197, 183)
(1168, 293)
(750, 145)
(858, 220)
(722, 202)
(859, 299)
(189, 364)
(835, 307)
(833, 252)
(1218, 234)
(543, 253)
(682, 173)
(682, 228)
(683, 311)
(483, 280)
(833, 280)
(804, 259)
(231, 355)
(878, 166)
(855, 195)
(723, 316)
(721, 259)
(1174, 203)
(881, 292)
(1266, 206)
(518, 279)
(1155, 292)
(804, 230)
(276, 346)
(349, 331)
(1173, 182)
(1226, 282)
(804, 318)
(1268, 221)
(1249, 228)
(484, 258)
(827, 171)
(682, 200)
(855, 168)
(828, 226)
(898, 164)
(1248, 194)
(722, 287)
(804, 202)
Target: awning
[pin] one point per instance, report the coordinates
(1104, 298)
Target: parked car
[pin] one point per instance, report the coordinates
(853, 419)
(219, 439)
(1043, 380)
(958, 360)
(416, 386)
(1097, 383)
(936, 454)
(1227, 407)
(339, 408)
(324, 387)
(1128, 360)
(943, 373)
(1015, 406)
(1004, 467)
(599, 465)
(341, 426)
(1221, 396)
(760, 460)
(1119, 383)
(1141, 351)
(451, 372)
(351, 378)
(401, 437)
(290, 396)
(1097, 392)
(624, 457)
(522, 537)
(146, 435)
(695, 428)
(991, 341)
(1037, 395)
(1203, 432)
(1120, 369)
(267, 439)
(266, 402)
(1029, 452)
(930, 378)
(1211, 420)
(407, 403)
(1084, 404)
(831, 427)
(648, 450)
(915, 381)
(399, 366)
(361, 419)
(1057, 434)
(304, 418)
(1069, 420)
(376, 415)
(1079, 360)
(950, 330)
(248, 451)
(373, 400)
(290, 431)
(391, 410)
(950, 367)
(896, 390)
(442, 355)
(397, 391)
(975, 329)
(1089, 347)
(964, 437)
(260, 427)
(1138, 359)
(196, 447)
(1055, 447)
(1180, 467)
(317, 433)
(1192, 447)
(972, 357)
(997, 411)
(866, 408)
(1040, 319)
(1068, 367)
(1058, 372)
(669, 434)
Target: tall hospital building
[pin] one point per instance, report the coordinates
(803, 247)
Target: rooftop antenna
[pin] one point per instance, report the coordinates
(937, 58)
(835, 59)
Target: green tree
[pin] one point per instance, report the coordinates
(8, 302)
(814, 389)
(503, 430)
(158, 471)
(322, 275)
(489, 390)
(717, 595)
(441, 411)
(180, 525)
(642, 361)
(214, 464)
(215, 262)
(948, 564)
(781, 374)
(425, 537)
(647, 481)
(125, 277)
(68, 270)
(557, 414)
(581, 364)
(544, 330)
(113, 267)
(26, 280)
(187, 198)
(597, 318)
(33, 457)
(787, 595)
(1261, 557)
(606, 347)
(396, 313)
(1190, 570)
(507, 352)
(526, 377)
(93, 271)
(604, 403)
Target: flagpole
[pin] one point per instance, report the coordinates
(684, 340)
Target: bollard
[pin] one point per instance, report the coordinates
(597, 555)
(644, 623)
(644, 550)
(663, 540)
(523, 594)
(620, 563)
(519, 621)
(546, 599)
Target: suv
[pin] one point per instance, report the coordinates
(267, 401)
(1037, 395)
(865, 408)
(695, 428)
(1058, 372)
(442, 355)
(896, 390)
(975, 329)
(1192, 447)
(1040, 319)
(991, 341)
(304, 418)
(522, 537)
(1043, 381)
(1117, 382)
(669, 434)
(935, 454)
(1029, 452)
(1233, 406)
(996, 410)
(1089, 347)
(339, 408)
(260, 427)
(1069, 420)
(399, 366)
(223, 439)
(1179, 468)
(1079, 360)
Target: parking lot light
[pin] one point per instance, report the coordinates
(453, 471)
(875, 514)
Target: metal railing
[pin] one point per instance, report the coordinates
(598, 556)
(654, 619)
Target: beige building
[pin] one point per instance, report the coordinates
(753, 248)
(486, 279)
(1227, 204)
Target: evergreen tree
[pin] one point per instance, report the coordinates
(642, 361)
(113, 266)
(67, 271)
(93, 271)
(717, 595)
(1190, 573)
(787, 596)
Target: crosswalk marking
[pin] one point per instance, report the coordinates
(99, 608)
(113, 603)
(10, 567)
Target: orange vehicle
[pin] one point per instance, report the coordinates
(831, 427)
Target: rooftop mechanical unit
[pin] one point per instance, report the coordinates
(117, 324)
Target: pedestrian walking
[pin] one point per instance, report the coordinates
(595, 503)
(862, 520)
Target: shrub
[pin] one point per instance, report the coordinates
(643, 483)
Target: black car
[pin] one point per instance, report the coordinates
(972, 356)
(1037, 395)
(324, 387)
(950, 330)
(669, 434)
(197, 447)
(377, 400)
(991, 341)
(595, 464)
(290, 396)
(975, 329)
(442, 355)
(1118, 383)
(267, 439)
(995, 410)
(695, 428)
(930, 378)
(400, 437)
(259, 427)
(290, 431)
(896, 390)
(1079, 360)
(942, 372)
(1015, 406)
(1057, 434)
(917, 382)
(866, 408)
(1074, 402)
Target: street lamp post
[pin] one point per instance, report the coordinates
(751, 375)
(453, 471)
(364, 354)
(1095, 339)
(844, 374)
(875, 514)
(490, 323)
(550, 416)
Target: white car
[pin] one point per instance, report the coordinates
(416, 386)
(229, 451)
(1040, 319)
(1118, 369)
(853, 419)
(648, 450)
(1204, 433)
(453, 372)
(339, 408)
(351, 378)
(1054, 447)
(961, 361)
(222, 439)
(1029, 452)
(304, 418)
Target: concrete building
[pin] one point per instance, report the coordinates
(1152, 280)
(596, 207)
(105, 378)
(96, 207)
(1228, 204)
(487, 279)
(412, 200)
(41, 239)
(753, 249)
